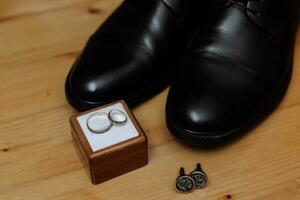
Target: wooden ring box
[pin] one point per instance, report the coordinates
(111, 154)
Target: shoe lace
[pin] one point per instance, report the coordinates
(245, 5)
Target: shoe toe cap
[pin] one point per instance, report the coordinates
(213, 98)
(95, 80)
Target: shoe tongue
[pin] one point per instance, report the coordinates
(178, 6)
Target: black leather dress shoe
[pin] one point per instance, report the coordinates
(235, 72)
(132, 55)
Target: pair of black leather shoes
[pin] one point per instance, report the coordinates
(229, 74)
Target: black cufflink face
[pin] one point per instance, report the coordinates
(184, 183)
(199, 177)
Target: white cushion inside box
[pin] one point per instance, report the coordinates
(115, 135)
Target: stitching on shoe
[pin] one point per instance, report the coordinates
(232, 59)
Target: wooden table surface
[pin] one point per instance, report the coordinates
(39, 42)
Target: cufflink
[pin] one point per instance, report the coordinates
(199, 177)
(184, 183)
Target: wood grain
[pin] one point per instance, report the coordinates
(39, 42)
